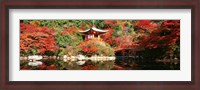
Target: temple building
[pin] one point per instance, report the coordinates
(93, 33)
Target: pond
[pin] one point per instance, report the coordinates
(121, 63)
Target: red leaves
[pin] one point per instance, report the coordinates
(107, 37)
(70, 30)
(88, 47)
(146, 25)
(167, 35)
(135, 34)
(40, 38)
(89, 67)
(111, 23)
(143, 23)
(171, 24)
(108, 21)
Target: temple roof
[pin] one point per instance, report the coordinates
(94, 29)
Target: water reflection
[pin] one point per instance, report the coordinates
(102, 63)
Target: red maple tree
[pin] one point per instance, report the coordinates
(36, 38)
(166, 35)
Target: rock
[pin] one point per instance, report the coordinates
(65, 60)
(35, 63)
(80, 57)
(80, 62)
(35, 57)
(65, 56)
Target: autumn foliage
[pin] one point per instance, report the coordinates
(167, 34)
(36, 40)
(122, 34)
(94, 46)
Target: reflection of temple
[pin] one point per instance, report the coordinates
(93, 33)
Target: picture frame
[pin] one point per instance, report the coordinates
(89, 4)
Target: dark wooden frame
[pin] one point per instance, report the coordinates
(5, 84)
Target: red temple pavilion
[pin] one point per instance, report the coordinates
(93, 33)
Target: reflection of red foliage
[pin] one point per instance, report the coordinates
(51, 67)
(118, 67)
(42, 67)
(40, 38)
(89, 67)
(24, 68)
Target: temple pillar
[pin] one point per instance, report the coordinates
(92, 35)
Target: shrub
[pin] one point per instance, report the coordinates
(92, 47)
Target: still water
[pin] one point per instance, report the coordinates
(120, 63)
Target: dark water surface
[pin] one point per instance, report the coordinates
(121, 63)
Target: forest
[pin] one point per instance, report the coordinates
(126, 45)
